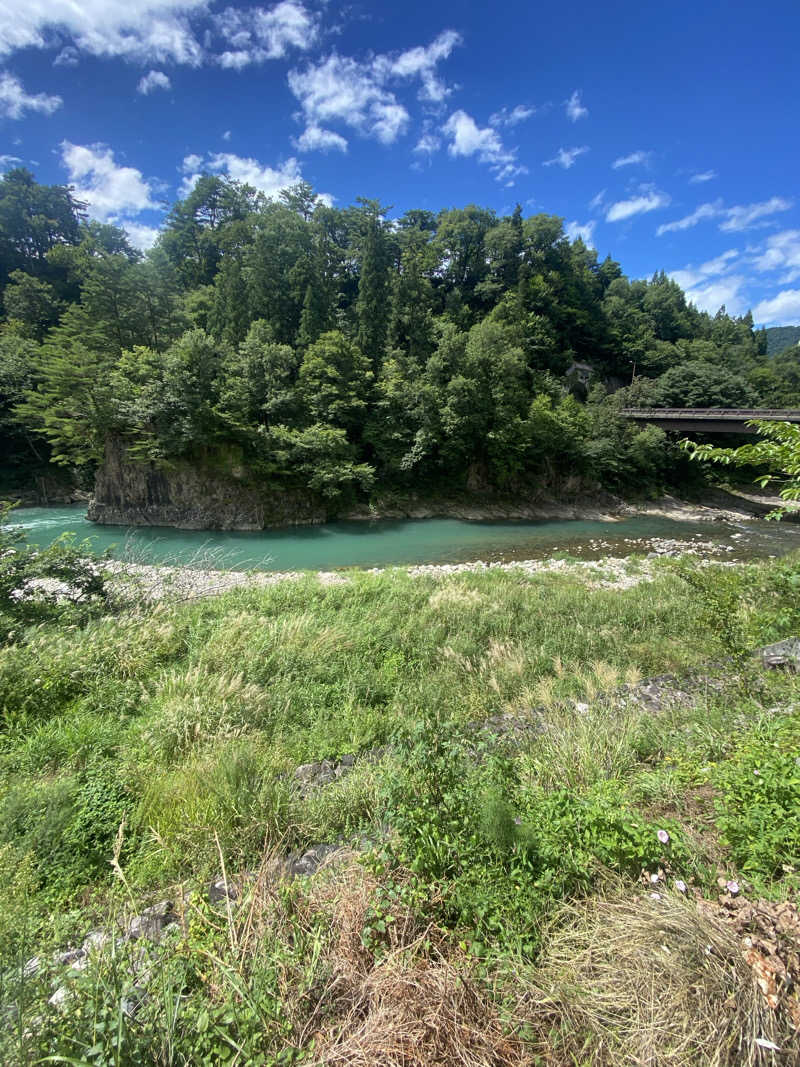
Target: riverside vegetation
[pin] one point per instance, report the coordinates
(339, 357)
(543, 894)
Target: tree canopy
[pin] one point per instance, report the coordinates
(341, 349)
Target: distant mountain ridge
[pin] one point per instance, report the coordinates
(780, 337)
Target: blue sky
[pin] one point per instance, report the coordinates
(666, 135)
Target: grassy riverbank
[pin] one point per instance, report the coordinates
(156, 748)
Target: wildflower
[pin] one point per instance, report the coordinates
(655, 896)
(654, 879)
(732, 887)
(663, 837)
(680, 885)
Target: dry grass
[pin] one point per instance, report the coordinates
(637, 980)
(408, 1002)
(420, 1014)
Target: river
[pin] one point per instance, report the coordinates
(388, 542)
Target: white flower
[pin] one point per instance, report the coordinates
(732, 887)
(680, 885)
(654, 878)
(663, 836)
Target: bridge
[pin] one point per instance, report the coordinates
(709, 420)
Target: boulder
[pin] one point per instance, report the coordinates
(783, 655)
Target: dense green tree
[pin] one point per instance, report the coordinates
(335, 383)
(32, 303)
(34, 219)
(374, 261)
(701, 385)
(336, 348)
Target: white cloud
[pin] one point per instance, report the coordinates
(154, 79)
(517, 114)
(140, 235)
(692, 276)
(113, 193)
(746, 215)
(360, 94)
(428, 144)
(226, 135)
(469, 139)
(704, 211)
(136, 29)
(67, 57)
(9, 161)
(711, 297)
(632, 160)
(315, 138)
(704, 176)
(340, 88)
(565, 157)
(421, 62)
(267, 180)
(597, 201)
(780, 310)
(191, 163)
(258, 34)
(14, 101)
(648, 200)
(781, 251)
(575, 109)
(584, 230)
(740, 217)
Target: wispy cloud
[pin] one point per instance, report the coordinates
(780, 310)
(517, 114)
(711, 284)
(566, 157)
(574, 107)
(704, 211)
(597, 201)
(746, 216)
(724, 292)
(469, 139)
(315, 138)
(361, 94)
(648, 200)
(634, 159)
(704, 176)
(781, 251)
(421, 62)
(154, 79)
(690, 276)
(255, 35)
(15, 101)
(584, 230)
(740, 217)
(428, 144)
(341, 89)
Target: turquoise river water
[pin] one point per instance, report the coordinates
(388, 542)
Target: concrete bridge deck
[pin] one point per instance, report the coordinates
(709, 420)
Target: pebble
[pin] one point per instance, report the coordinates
(152, 582)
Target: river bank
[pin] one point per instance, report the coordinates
(152, 583)
(717, 505)
(161, 763)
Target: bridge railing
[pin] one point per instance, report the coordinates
(722, 414)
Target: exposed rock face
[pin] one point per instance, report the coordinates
(192, 496)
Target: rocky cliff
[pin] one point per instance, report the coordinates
(199, 496)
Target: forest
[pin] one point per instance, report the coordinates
(343, 351)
